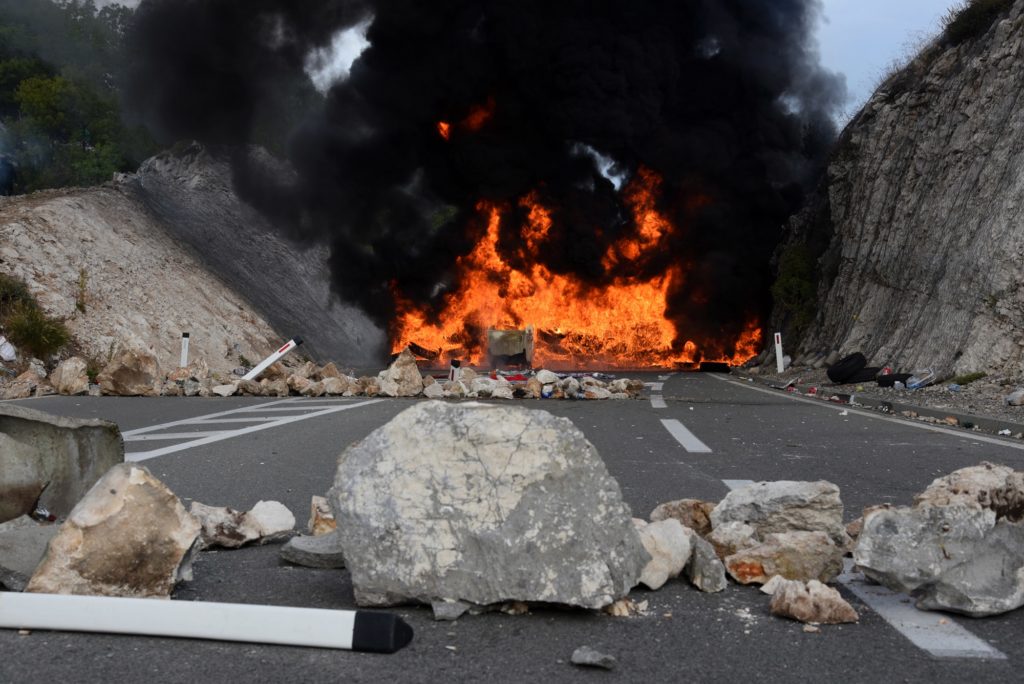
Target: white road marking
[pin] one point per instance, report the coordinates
(870, 414)
(222, 435)
(253, 419)
(174, 435)
(665, 377)
(294, 407)
(736, 484)
(655, 386)
(685, 437)
(658, 402)
(935, 633)
(191, 421)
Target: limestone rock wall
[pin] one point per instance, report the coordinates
(925, 237)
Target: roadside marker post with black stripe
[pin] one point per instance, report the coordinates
(778, 353)
(355, 630)
(289, 345)
(183, 362)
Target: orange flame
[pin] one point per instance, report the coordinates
(479, 115)
(445, 129)
(621, 325)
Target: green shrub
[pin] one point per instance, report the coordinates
(13, 294)
(794, 291)
(32, 331)
(971, 19)
(968, 378)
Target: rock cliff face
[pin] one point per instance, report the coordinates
(920, 226)
(172, 249)
(190, 192)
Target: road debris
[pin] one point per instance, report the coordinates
(268, 521)
(585, 656)
(812, 602)
(670, 545)
(317, 551)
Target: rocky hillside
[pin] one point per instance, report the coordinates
(171, 249)
(917, 237)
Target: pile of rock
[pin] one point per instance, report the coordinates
(133, 371)
(959, 548)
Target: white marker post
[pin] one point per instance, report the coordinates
(355, 630)
(291, 344)
(778, 352)
(184, 351)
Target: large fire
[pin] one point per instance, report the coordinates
(622, 325)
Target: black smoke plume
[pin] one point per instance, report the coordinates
(723, 98)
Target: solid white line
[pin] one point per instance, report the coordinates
(658, 402)
(935, 633)
(174, 435)
(293, 407)
(190, 421)
(869, 414)
(146, 455)
(736, 484)
(685, 437)
(211, 421)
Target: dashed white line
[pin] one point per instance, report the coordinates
(222, 435)
(685, 437)
(658, 402)
(935, 633)
(736, 484)
(655, 386)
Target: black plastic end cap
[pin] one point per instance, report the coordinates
(380, 632)
(297, 341)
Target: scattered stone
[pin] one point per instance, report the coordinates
(22, 545)
(973, 486)
(129, 536)
(297, 383)
(502, 392)
(402, 378)
(626, 607)
(449, 611)
(515, 608)
(731, 537)
(596, 393)
(70, 377)
(705, 571)
(268, 521)
(482, 387)
(249, 388)
(314, 389)
(692, 513)
(224, 390)
(794, 555)
(329, 371)
(533, 388)
(785, 506)
(319, 551)
(434, 391)
(22, 387)
(811, 629)
(811, 603)
(455, 389)
(774, 583)
(277, 388)
(670, 545)
(321, 518)
(51, 460)
(585, 656)
(1015, 398)
(132, 372)
(484, 504)
(370, 386)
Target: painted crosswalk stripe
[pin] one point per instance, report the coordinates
(174, 435)
(736, 484)
(655, 386)
(218, 436)
(935, 633)
(658, 402)
(685, 437)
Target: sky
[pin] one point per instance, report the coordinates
(861, 38)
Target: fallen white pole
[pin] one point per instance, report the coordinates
(343, 629)
(184, 351)
(778, 352)
(291, 344)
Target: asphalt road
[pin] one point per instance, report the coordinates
(747, 434)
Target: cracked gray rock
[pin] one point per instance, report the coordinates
(483, 504)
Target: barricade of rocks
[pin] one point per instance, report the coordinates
(134, 371)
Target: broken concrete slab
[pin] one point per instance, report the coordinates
(319, 551)
(268, 521)
(52, 459)
(785, 506)
(484, 504)
(22, 545)
(811, 603)
(129, 536)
